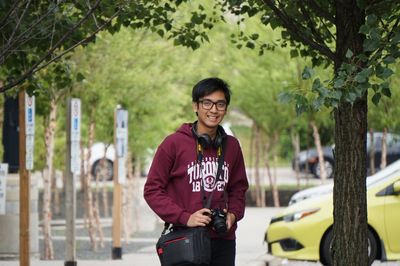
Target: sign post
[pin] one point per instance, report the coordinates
(26, 146)
(121, 144)
(73, 169)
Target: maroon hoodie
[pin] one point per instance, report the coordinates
(173, 189)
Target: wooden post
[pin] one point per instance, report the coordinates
(70, 193)
(24, 186)
(117, 203)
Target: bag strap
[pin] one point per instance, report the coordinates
(166, 225)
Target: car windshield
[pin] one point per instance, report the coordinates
(391, 140)
(385, 174)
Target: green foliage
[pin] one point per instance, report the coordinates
(386, 114)
(309, 31)
(149, 77)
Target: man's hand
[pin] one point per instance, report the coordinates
(230, 220)
(199, 218)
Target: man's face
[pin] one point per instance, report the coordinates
(211, 110)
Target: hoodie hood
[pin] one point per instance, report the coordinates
(186, 129)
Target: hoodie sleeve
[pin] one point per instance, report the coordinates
(237, 186)
(155, 189)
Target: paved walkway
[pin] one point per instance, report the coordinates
(250, 246)
(251, 251)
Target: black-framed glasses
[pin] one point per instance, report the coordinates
(208, 104)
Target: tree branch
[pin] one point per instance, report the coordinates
(321, 11)
(38, 66)
(296, 31)
(19, 21)
(5, 49)
(314, 31)
(10, 11)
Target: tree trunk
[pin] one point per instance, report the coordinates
(350, 245)
(50, 129)
(271, 177)
(96, 213)
(384, 149)
(257, 167)
(88, 190)
(296, 147)
(275, 191)
(252, 155)
(56, 192)
(307, 169)
(372, 151)
(318, 146)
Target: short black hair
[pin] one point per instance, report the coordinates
(209, 85)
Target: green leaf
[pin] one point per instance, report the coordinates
(363, 75)
(349, 54)
(301, 108)
(194, 45)
(318, 103)
(254, 36)
(351, 97)
(383, 72)
(364, 29)
(284, 97)
(372, 19)
(389, 59)
(294, 53)
(274, 23)
(308, 72)
(336, 94)
(252, 12)
(396, 37)
(371, 45)
(376, 98)
(285, 34)
(250, 45)
(168, 26)
(160, 32)
(80, 77)
(339, 83)
(387, 92)
(316, 84)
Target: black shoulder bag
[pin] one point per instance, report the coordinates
(183, 245)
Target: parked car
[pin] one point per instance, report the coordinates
(328, 188)
(309, 163)
(98, 151)
(303, 231)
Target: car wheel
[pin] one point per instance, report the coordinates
(109, 169)
(325, 256)
(316, 170)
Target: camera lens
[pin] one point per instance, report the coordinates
(219, 221)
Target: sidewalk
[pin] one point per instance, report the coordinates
(250, 246)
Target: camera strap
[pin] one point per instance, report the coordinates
(207, 202)
(218, 177)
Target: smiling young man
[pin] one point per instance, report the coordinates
(183, 174)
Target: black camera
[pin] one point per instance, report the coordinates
(218, 217)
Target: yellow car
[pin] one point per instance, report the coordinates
(304, 230)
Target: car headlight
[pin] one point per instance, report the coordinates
(299, 215)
